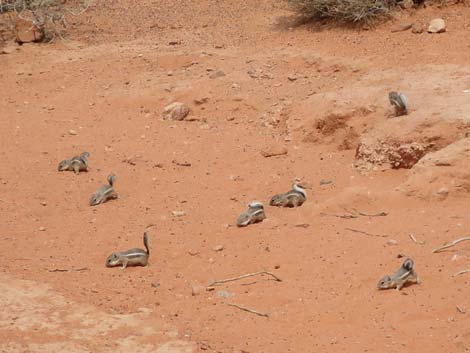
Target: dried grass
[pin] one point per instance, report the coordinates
(344, 11)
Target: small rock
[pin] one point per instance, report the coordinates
(44, 203)
(437, 25)
(178, 213)
(277, 267)
(27, 32)
(196, 289)
(193, 252)
(42, 229)
(274, 150)
(218, 248)
(443, 191)
(73, 132)
(417, 29)
(392, 242)
(217, 74)
(175, 111)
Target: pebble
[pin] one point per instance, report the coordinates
(178, 213)
(175, 111)
(42, 229)
(417, 29)
(196, 289)
(437, 25)
(218, 248)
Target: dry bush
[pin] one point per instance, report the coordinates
(344, 11)
(47, 16)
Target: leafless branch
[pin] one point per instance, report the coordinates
(346, 216)
(367, 233)
(378, 214)
(451, 244)
(461, 273)
(69, 269)
(248, 310)
(245, 276)
(355, 214)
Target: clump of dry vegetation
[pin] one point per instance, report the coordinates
(46, 16)
(344, 11)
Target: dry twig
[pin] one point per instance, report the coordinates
(248, 310)
(245, 276)
(451, 244)
(366, 233)
(378, 214)
(461, 273)
(355, 214)
(347, 216)
(69, 270)
(412, 237)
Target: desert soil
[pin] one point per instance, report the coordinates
(255, 81)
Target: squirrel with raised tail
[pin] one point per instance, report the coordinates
(132, 257)
(254, 214)
(293, 198)
(399, 102)
(76, 164)
(405, 274)
(105, 192)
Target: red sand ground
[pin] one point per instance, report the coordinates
(109, 81)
